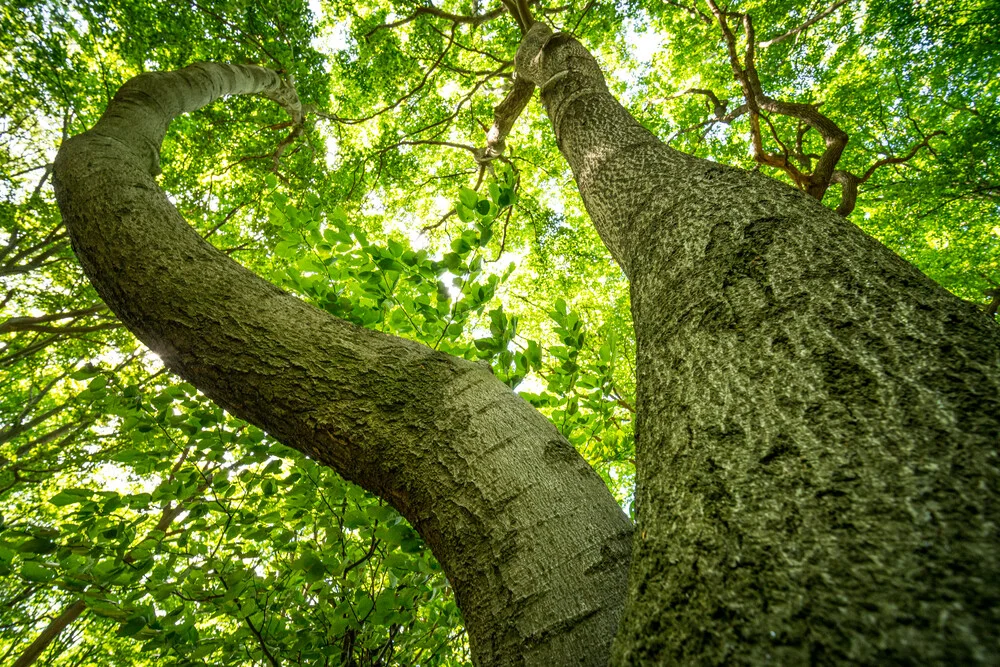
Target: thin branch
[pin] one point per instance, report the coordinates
(474, 20)
(24, 323)
(440, 222)
(850, 183)
(692, 10)
(239, 34)
(432, 142)
(797, 30)
(366, 557)
(226, 219)
(413, 91)
(710, 122)
(902, 159)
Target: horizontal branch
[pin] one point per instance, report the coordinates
(925, 143)
(30, 323)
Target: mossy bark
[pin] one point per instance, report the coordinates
(817, 424)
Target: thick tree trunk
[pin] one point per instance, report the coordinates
(817, 420)
(531, 540)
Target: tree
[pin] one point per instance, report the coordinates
(816, 418)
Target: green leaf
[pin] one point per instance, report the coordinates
(85, 373)
(285, 250)
(363, 607)
(37, 545)
(33, 571)
(396, 248)
(6, 554)
(70, 497)
(389, 264)
(485, 344)
(468, 197)
(338, 216)
(132, 626)
(355, 519)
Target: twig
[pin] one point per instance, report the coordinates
(797, 30)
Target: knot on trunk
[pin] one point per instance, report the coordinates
(528, 62)
(544, 58)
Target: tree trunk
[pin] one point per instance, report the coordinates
(817, 420)
(49, 634)
(530, 538)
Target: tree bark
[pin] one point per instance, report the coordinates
(530, 538)
(817, 420)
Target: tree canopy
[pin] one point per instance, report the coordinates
(140, 523)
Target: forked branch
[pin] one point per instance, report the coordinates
(850, 183)
(813, 173)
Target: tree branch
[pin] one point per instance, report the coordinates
(474, 20)
(801, 28)
(53, 630)
(901, 159)
(850, 183)
(505, 115)
(27, 323)
(413, 91)
(745, 72)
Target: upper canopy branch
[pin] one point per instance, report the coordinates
(475, 19)
(803, 26)
(506, 113)
(719, 108)
(745, 71)
(521, 13)
(408, 94)
(519, 10)
(850, 183)
(793, 160)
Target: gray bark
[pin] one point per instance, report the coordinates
(817, 420)
(531, 540)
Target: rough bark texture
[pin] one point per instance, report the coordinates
(817, 420)
(531, 540)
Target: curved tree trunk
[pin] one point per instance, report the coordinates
(530, 538)
(817, 420)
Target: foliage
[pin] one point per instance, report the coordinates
(193, 538)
